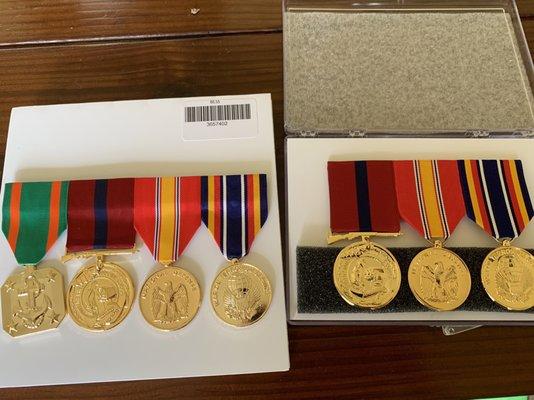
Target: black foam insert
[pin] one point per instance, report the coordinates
(316, 292)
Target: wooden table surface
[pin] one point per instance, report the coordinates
(94, 50)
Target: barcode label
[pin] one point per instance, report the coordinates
(220, 112)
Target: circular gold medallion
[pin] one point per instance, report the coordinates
(170, 298)
(241, 294)
(508, 277)
(367, 275)
(439, 279)
(100, 298)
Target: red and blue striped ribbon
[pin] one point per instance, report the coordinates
(362, 197)
(100, 214)
(234, 208)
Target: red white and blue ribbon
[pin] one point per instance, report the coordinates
(496, 196)
(234, 208)
(167, 214)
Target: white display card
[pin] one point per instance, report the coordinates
(134, 139)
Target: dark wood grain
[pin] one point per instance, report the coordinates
(38, 21)
(352, 363)
(24, 22)
(347, 362)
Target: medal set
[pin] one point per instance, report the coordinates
(369, 198)
(102, 218)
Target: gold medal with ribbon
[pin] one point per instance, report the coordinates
(100, 219)
(497, 200)
(363, 204)
(430, 200)
(234, 208)
(34, 215)
(167, 216)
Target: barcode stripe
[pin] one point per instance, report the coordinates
(221, 112)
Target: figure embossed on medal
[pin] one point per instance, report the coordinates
(170, 304)
(514, 281)
(32, 303)
(242, 299)
(102, 301)
(444, 282)
(367, 277)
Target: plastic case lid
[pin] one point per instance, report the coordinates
(406, 67)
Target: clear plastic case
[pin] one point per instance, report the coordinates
(397, 80)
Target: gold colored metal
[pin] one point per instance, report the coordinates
(97, 253)
(439, 279)
(333, 238)
(367, 275)
(241, 294)
(101, 294)
(170, 298)
(508, 277)
(33, 300)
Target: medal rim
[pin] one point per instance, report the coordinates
(131, 288)
(424, 302)
(383, 249)
(197, 308)
(484, 273)
(3, 294)
(266, 279)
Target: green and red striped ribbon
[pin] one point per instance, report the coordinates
(34, 214)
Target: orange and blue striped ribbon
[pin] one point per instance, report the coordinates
(496, 196)
(34, 215)
(167, 214)
(234, 208)
(429, 196)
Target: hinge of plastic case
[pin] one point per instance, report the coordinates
(526, 133)
(477, 133)
(358, 133)
(307, 133)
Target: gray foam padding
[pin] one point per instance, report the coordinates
(316, 292)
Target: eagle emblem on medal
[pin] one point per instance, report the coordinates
(170, 298)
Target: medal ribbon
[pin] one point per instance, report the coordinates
(362, 197)
(34, 215)
(429, 196)
(496, 196)
(234, 208)
(100, 214)
(167, 214)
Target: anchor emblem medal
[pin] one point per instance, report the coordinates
(430, 200)
(33, 217)
(100, 219)
(167, 216)
(234, 209)
(498, 201)
(363, 204)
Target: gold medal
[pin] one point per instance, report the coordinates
(241, 294)
(366, 275)
(33, 300)
(439, 279)
(508, 277)
(170, 298)
(33, 217)
(100, 296)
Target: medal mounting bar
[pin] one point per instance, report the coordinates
(98, 253)
(398, 80)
